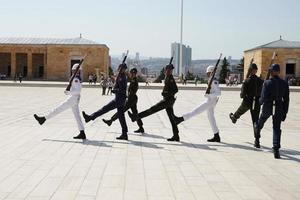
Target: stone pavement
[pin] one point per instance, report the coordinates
(44, 162)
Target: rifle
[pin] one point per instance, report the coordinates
(171, 60)
(250, 69)
(125, 57)
(74, 74)
(212, 76)
(272, 61)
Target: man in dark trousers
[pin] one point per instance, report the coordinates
(169, 90)
(275, 100)
(118, 102)
(131, 102)
(250, 93)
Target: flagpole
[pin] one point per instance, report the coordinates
(181, 33)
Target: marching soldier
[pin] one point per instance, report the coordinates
(169, 90)
(131, 102)
(72, 101)
(208, 105)
(118, 102)
(275, 100)
(250, 93)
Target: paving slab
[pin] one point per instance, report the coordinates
(45, 162)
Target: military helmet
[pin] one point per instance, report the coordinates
(133, 70)
(275, 67)
(123, 65)
(253, 66)
(169, 66)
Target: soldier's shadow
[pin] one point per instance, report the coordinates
(84, 142)
(186, 144)
(286, 154)
(238, 146)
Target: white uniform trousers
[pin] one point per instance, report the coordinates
(70, 102)
(208, 105)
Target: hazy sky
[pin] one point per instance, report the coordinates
(150, 26)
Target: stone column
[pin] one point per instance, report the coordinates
(13, 64)
(29, 65)
(45, 64)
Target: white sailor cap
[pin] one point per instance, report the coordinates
(210, 68)
(74, 67)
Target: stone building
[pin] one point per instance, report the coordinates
(51, 59)
(288, 57)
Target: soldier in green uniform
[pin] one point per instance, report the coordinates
(250, 93)
(168, 93)
(131, 102)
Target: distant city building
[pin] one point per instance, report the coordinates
(144, 71)
(288, 57)
(51, 59)
(186, 57)
(137, 56)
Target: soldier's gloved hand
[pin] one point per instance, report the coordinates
(283, 118)
(67, 92)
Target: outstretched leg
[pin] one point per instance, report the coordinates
(157, 107)
(108, 107)
(201, 108)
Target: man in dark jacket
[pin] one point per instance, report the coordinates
(275, 100)
(118, 102)
(131, 102)
(250, 93)
(169, 90)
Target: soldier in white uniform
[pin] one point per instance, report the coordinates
(208, 105)
(72, 101)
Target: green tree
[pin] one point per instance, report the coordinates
(141, 79)
(161, 76)
(224, 70)
(240, 67)
(110, 71)
(189, 76)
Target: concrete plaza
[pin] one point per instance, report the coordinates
(44, 162)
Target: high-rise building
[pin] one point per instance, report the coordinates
(186, 57)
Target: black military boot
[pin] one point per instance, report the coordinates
(256, 143)
(86, 117)
(276, 153)
(107, 121)
(41, 120)
(140, 130)
(132, 116)
(122, 137)
(233, 119)
(174, 138)
(178, 120)
(256, 135)
(216, 138)
(80, 136)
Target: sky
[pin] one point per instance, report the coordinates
(149, 27)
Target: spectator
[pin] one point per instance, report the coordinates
(91, 77)
(104, 85)
(20, 77)
(110, 85)
(95, 78)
